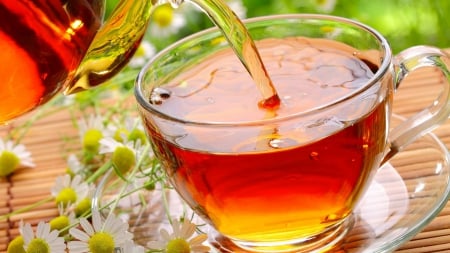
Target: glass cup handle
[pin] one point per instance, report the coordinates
(431, 117)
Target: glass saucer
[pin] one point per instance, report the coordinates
(405, 195)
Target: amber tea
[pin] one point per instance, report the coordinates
(277, 181)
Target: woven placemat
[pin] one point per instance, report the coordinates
(49, 136)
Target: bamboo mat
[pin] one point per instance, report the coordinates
(50, 135)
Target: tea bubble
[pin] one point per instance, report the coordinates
(158, 95)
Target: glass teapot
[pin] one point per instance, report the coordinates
(50, 46)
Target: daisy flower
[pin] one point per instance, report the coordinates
(74, 166)
(67, 190)
(44, 241)
(144, 52)
(13, 157)
(180, 240)
(91, 131)
(131, 129)
(100, 236)
(165, 21)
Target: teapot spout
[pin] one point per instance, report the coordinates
(113, 45)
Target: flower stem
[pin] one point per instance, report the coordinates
(99, 172)
(26, 208)
(42, 112)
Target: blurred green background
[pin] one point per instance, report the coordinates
(403, 22)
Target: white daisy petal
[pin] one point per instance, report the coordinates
(57, 245)
(117, 225)
(108, 145)
(27, 233)
(77, 247)
(130, 247)
(176, 228)
(19, 148)
(165, 235)
(74, 164)
(9, 145)
(198, 239)
(57, 187)
(75, 181)
(53, 236)
(87, 227)
(109, 222)
(200, 248)
(66, 180)
(122, 238)
(42, 230)
(78, 234)
(157, 245)
(97, 221)
(187, 229)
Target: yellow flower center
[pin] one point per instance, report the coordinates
(136, 135)
(38, 245)
(83, 207)
(8, 163)
(16, 245)
(163, 15)
(101, 242)
(119, 133)
(66, 196)
(123, 159)
(140, 51)
(91, 140)
(178, 245)
(60, 223)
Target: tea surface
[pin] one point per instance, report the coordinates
(307, 74)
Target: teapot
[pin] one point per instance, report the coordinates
(49, 46)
